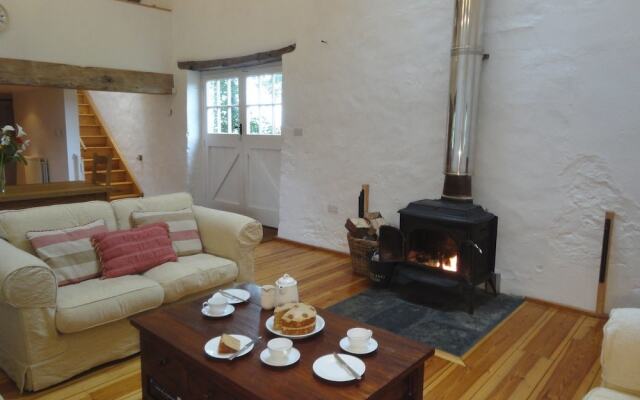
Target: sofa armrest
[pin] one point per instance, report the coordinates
(620, 356)
(231, 236)
(25, 280)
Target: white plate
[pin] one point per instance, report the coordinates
(211, 348)
(229, 309)
(239, 293)
(319, 327)
(292, 358)
(373, 346)
(326, 367)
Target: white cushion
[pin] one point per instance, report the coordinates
(16, 224)
(192, 274)
(98, 302)
(607, 394)
(168, 202)
(620, 356)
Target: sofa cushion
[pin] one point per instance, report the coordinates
(98, 302)
(69, 251)
(606, 394)
(16, 224)
(183, 228)
(192, 274)
(168, 202)
(133, 251)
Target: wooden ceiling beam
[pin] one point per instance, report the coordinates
(66, 76)
(265, 57)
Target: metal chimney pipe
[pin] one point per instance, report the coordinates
(464, 87)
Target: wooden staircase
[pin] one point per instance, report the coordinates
(95, 139)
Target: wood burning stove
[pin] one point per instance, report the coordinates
(453, 242)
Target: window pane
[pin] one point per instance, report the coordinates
(277, 88)
(266, 89)
(277, 120)
(235, 92)
(235, 119)
(212, 93)
(253, 116)
(224, 120)
(253, 90)
(266, 120)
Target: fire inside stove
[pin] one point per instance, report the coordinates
(434, 250)
(448, 264)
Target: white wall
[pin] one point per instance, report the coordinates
(72, 129)
(141, 124)
(557, 133)
(41, 112)
(101, 33)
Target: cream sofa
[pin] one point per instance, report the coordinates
(620, 357)
(49, 333)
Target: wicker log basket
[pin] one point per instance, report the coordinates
(361, 251)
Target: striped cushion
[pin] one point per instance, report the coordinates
(133, 251)
(69, 252)
(182, 228)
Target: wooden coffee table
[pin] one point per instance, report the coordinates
(174, 365)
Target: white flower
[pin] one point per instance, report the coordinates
(7, 128)
(25, 144)
(21, 132)
(5, 140)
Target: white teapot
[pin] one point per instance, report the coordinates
(286, 290)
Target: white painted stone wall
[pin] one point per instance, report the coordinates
(102, 33)
(558, 131)
(141, 124)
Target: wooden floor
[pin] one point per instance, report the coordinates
(539, 352)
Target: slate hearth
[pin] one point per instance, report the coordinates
(432, 317)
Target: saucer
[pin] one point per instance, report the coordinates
(292, 358)
(229, 309)
(373, 346)
(235, 296)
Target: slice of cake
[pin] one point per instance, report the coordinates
(300, 319)
(228, 344)
(278, 313)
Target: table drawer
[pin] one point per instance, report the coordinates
(163, 374)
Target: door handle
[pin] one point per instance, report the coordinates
(240, 130)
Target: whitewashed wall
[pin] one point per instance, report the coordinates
(141, 125)
(558, 131)
(102, 33)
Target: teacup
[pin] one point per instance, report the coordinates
(216, 304)
(359, 338)
(279, 348)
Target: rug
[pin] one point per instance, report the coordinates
(434, 317)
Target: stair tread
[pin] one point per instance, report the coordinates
(99, 147)
(86, 115)
(91, 159)
(103, 171)
(122, 183)
(90, 125)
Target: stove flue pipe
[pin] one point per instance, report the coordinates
(464, 86)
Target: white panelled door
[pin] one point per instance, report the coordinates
(243, 128)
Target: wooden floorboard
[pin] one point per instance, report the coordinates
(539, 352)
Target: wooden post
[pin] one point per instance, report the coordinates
(604, 261)
(365, 189)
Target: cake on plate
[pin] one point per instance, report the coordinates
(228, 344)
(295, 319)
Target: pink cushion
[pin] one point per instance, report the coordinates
(133, 251)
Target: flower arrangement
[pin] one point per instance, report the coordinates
(13, 143)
